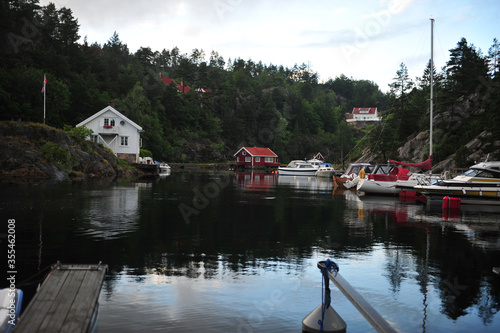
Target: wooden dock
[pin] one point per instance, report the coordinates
(66, 302)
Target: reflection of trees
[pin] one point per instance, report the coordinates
(396, 266)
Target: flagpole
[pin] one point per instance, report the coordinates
(44, 92)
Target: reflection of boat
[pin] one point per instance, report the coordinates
(480, 185)
(348, 179)
(298, 168)
(10, 308)
(306, 182)
(325, 170)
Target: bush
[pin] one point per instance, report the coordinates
(145, 153)
(82, 132)
(54, 153)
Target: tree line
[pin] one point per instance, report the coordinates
(245, 102)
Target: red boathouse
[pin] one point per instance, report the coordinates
(254, 157)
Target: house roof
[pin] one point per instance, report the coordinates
(106, 109)
(364, 110)
(255, 151)
(181, 86)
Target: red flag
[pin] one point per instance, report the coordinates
(44, 84)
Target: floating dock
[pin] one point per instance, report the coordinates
(66, 302)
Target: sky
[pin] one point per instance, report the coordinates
(362, 39)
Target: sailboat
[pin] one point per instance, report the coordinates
(401, 178)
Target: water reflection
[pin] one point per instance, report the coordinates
(246, 263)
(112, 213)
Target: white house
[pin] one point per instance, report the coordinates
(114, 130)
(364, 114)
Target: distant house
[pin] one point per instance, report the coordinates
(363, 114)
(256, 157)
(181, 87)
(115, 131)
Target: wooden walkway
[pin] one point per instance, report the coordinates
(66, 302)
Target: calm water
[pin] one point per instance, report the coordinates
(237, 252)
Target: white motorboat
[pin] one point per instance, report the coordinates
(480, 184)
(163, 169)
(10, 308)
(325, 170)
(298, 168)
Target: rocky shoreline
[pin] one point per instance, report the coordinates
(39, 152)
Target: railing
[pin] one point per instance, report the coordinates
(370, 314)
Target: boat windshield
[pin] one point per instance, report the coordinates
(479, 173)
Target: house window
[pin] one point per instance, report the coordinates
(269, 160)
(243, 153)
(94, 138)
(257, 159)
(237, 159)
(248, 159)
(109, 122)
(124, 141)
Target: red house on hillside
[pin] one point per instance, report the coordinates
(256, 157)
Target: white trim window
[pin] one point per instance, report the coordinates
(269, 159)
(94, 138)
(248, 159)
(123, 140)
(257, 159)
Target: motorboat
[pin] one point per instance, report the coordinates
(325, 170)
(480, 184)
(163, 169)
(392, 182)
(350, 174)
(298, 168)
(10, 308)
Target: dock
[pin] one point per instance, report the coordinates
(67, 300)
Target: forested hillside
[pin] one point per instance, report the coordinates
(245, 102)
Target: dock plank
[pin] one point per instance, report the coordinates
(66, 301)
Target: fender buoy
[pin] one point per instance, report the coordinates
(362, 174)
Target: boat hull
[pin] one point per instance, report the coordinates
(284, 171)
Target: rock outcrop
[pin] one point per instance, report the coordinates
(36, 151)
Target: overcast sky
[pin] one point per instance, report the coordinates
(363, 39)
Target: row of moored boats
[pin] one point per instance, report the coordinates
(480, 184)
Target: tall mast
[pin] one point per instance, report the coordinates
(432, 84)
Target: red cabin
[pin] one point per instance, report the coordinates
(256, 157)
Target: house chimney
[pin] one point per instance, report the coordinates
(112, 104)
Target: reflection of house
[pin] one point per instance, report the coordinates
(256, 181)
(115, 131)
(256, 157)
(363, 114)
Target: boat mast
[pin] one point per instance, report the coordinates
(432, 87)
